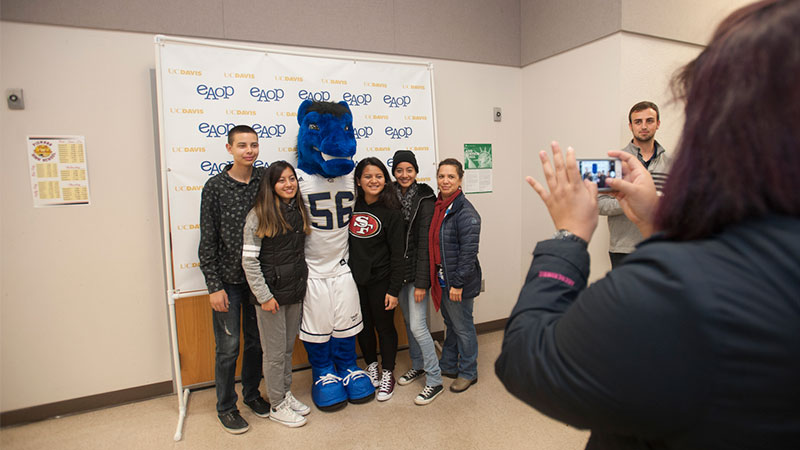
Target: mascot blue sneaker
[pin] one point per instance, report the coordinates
(357, 383)
(326, 144)
(328, 391)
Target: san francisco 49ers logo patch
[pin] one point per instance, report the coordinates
(364, 225)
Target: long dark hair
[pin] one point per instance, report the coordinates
(739, 154)
(267, 204)
(388, 196)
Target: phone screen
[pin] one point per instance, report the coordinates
(600, 170)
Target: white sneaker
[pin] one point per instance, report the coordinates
(387, 386)
(284, 415)
(372, 371)
(296, 405)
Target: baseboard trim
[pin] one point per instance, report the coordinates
(84, 404)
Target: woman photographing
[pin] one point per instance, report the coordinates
(694, 341)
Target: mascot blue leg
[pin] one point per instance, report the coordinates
(328, 391)
(356, 381)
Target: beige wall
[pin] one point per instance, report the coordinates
(463, 30)
(687, 21)
(549, 27)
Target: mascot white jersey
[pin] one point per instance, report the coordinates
(330, 204)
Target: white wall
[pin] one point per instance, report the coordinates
(581, 98)
(465, 96)
(648, 67)
(82, 302)
(572, 98)
(83, 308)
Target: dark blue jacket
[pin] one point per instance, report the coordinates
(690, 345)
(458, 244)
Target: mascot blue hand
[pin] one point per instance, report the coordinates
(326, 142)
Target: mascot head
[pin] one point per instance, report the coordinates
(326, 142)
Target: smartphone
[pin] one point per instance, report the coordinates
(600, 170)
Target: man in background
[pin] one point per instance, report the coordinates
(643, 121)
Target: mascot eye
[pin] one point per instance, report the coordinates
(347, 128)
(313, 126)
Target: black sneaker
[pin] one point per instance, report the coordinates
(410, 376)
(259, 406)
(233, 423)
(428, 394)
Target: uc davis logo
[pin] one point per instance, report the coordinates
(215, 93)
(321, 96)
(269, 131)
(399, 133)
(266, 95)
(397, 102)
(210, 130)
(357, 99)
(363, 132)
(364, 225)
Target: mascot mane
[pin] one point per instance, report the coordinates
(326, 142)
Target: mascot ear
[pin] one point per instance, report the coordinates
(301, 112)
(344, 103)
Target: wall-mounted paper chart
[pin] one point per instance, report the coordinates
(58, 170)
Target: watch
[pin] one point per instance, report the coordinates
(565, 235)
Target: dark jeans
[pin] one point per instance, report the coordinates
(460, 348)
(226, 335)
(373, 311)
(616, 259)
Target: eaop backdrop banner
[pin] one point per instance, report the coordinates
(205, 89)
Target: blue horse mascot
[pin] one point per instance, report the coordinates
(326, 145)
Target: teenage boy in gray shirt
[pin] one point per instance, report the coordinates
(227, 197)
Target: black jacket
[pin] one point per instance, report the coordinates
(223, 207)
(459, 237)
(417, 265)
(283, 260)
(376, 245)
(691, 345)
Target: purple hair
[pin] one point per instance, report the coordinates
(739, 154)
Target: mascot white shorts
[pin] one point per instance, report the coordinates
(331, 309)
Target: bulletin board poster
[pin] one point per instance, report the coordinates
(477, 168)
(58, 170)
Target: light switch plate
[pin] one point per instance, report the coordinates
(14, 98)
